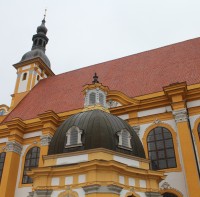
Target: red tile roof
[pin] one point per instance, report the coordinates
(133, 75)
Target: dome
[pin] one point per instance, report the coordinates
(99, 129)
(34, 54)
(42, 28)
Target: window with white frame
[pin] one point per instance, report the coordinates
(92, 98)
(73, 137)
(101, 98)
(124, 139)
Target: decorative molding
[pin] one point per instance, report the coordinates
(157, 121)
(115, 189)
(31, 194)
(137, 129)
(180, 115)
(153, 194)
(112, 189)
(45, 140)
(42, 193)
(13, 146)
(112, 104)
(166, 185)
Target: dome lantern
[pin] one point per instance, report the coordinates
(95, 95)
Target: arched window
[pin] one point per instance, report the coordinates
(101, 98)
(38, 77)
(169, 195)
(92, 98)
(124, 139)
(198, 130)
(31, 161)
(2, 160)
(73, 137)
(2, 112)
(35, 42)
(161, 149)
(24, 76)
(40, 42)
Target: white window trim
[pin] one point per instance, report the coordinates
(120, 145)
(68, 134)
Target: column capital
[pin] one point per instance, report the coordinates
(180, 115)
(45, 139)
(13, 146)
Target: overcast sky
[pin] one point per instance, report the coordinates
(86, 32)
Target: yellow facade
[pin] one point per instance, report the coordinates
(100, 172)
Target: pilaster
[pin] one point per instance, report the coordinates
(10, 172)
(13, 151)
(177, 95)
(50, 121)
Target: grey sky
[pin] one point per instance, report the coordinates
(85, 32)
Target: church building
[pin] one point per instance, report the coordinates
(128, 127)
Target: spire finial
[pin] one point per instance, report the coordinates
(45, 13)
(95, 77)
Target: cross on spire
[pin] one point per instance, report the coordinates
(45, 14)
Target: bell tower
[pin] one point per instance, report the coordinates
(33, 67)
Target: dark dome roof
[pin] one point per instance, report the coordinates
(36, 53)
(99, 131)
(42, 28)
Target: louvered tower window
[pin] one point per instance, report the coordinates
(31, 161)
(92, 98)
(161, 149)
(73, 137)
(101, 99)
(2, 160)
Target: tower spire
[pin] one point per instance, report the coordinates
(45, 13)
(40, 39)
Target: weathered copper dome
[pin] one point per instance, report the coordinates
(99, 129)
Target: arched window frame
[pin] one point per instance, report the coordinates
(2, 161)
(160, 148)
(132, 194)
(24, 162)
(174, 137)
(196, 135)
(69, 135)
(173, 191)
(121, 140)
(2, 112)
